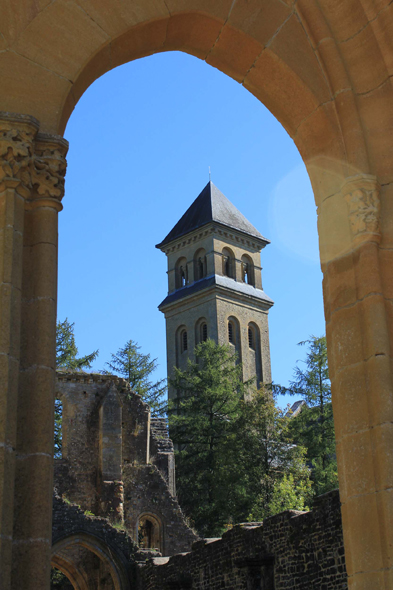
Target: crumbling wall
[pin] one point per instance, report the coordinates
(147, 494)
(114, 464)
(291, 551)
(162, 452)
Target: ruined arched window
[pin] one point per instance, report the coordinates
(228, 263)
(149, 532)
(200, 265)
(247, 270)
(181, 273)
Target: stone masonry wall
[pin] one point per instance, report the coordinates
(146, 493)
(115, 463)
(291, 551)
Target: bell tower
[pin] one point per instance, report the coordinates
(215, 285)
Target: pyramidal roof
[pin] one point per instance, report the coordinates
(211, 205)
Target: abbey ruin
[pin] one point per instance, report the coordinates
(324, 70)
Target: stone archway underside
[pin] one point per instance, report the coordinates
(88, 563)
(324, 70)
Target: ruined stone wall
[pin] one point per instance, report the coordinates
(162, 452)
(146, 493)
(291, 551)
(114, 464)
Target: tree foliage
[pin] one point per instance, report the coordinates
(137, 369)
(273, 466)
(67, 351)
(313, 427)
(232, 448)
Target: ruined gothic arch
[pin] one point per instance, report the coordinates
(324, 71)
(70, 556)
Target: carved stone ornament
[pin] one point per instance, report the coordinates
(31, 163)
(49, 166)
(17, 133)
(362, 195)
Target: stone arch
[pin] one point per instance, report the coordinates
(67, 558)
(254, 351)
(156, 534)
(325, 74)
(234, 336)
(182, 338)
(248, 275)
(228, 263)
(200, 264)
(181, 272)
(201, 330)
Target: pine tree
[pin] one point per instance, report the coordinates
(314, 427)
(233, 448)
(137, 368)
(67, 351)
(201, 423)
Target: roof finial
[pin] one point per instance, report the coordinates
(210, 175)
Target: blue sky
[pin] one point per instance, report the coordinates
(142, 138)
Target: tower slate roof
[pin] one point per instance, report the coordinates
(211, 205)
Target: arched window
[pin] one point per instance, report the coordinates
(184, 341)
(234, 337)
(183, 281)
(228, 263)
(201, 331)
(231, 333)
(254, 351)
(200, 265)
(181, 273)
(251, 338)
(149, 532)
(247, 270)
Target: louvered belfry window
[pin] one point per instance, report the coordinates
(230, 332)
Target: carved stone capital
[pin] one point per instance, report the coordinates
(17, 134)
(362, 195)
(48, 168)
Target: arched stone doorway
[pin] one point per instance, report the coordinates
(324, 72)
(89, 563)
(150, 532)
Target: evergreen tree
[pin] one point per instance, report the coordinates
(201, 422)
(274, 470)
(67, 360)
(67, 351)
(313, 427)
(232, 448)
(137, 368)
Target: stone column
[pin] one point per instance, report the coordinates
(34, 443)
(360, 370)
(17, 134)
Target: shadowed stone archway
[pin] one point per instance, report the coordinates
(93, 554)
(324, 70)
